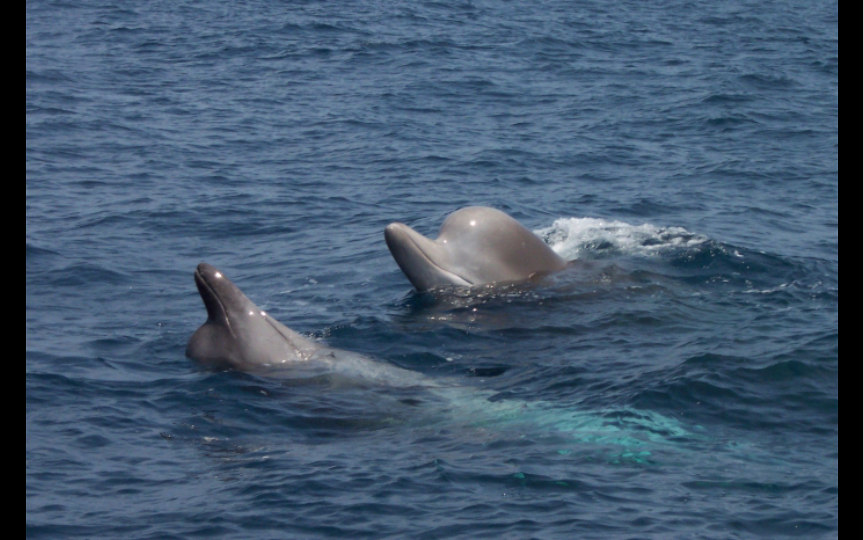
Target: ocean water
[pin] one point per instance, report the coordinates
(678, 380)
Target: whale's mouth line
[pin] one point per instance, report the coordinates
(269, 320)
(202, 281)
(455, 277)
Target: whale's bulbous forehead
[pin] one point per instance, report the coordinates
(479, 227)
(475, 218)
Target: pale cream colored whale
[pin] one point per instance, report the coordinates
(475, 245)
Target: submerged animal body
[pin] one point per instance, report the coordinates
(475, 245)
(240, 335)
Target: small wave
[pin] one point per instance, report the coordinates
(575, 238)
(81, 274)
(35, 252)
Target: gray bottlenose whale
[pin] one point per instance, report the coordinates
(475, 245)
(240, 335)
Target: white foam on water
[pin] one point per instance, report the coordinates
(575, 238)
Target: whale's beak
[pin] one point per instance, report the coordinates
(425, 262)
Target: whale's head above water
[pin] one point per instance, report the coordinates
(475, 245)
(237, 333)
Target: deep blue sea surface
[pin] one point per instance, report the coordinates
(678, 380)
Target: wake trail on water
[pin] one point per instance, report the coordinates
(575, 238)
(631, 433)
